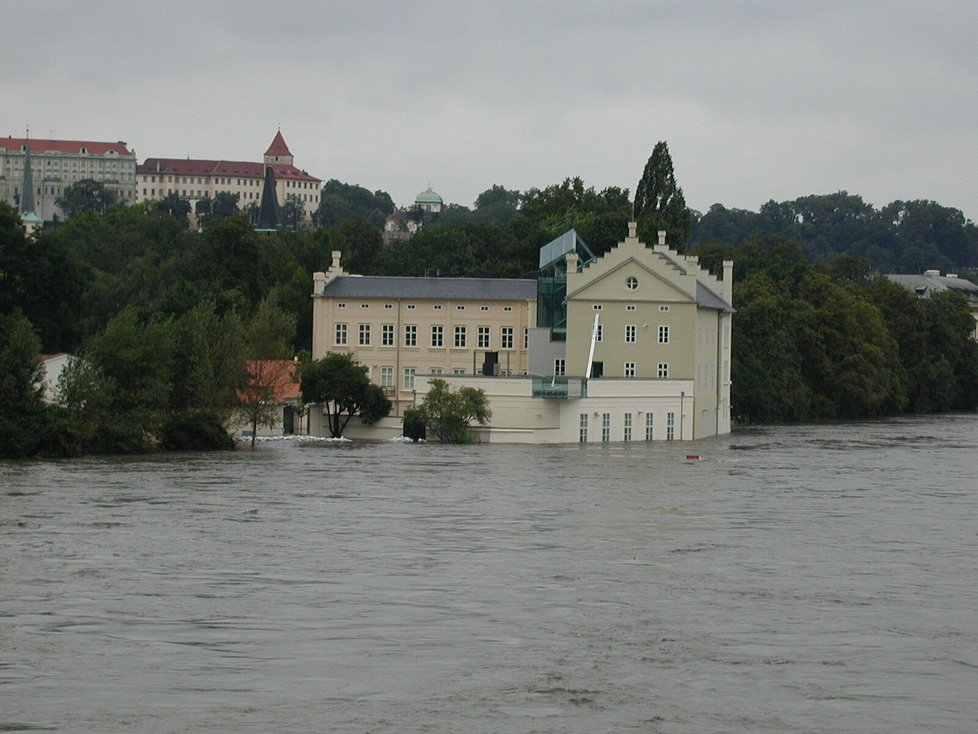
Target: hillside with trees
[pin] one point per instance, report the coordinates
(161, 314)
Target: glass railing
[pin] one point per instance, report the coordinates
(560, 388)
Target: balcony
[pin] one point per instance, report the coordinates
(559, 388)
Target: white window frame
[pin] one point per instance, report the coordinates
(662, 370)
(663, 334)
(483, 337)
(409, 373)
(631, 333)
(410, 335)
(363, 335)
(629, 370)
(341, 335)
(387, 335)
(560, 367)
(437, 335)
(506, 336)
(461, 336)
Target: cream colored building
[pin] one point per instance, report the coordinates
(57, 164)
(404, 327)
(632, 346)
(195, 179)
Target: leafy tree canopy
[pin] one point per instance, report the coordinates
(447, 413)
(342, 387)
(659, 201)
(86, 195)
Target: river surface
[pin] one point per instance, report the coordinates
(799, 579)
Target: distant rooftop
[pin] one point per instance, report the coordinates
(468, 289)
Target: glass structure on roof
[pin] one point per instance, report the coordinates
(552, 281)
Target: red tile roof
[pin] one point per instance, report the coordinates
(71, 147)
(281, 374)
(242, 169)
(278, 146)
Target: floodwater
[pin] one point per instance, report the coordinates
(798, 579)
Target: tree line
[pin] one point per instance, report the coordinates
(816, 335)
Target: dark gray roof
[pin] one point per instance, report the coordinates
(924, 285)
(473, 289)
(708, 299)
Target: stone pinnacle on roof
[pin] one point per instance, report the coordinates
(27, 181)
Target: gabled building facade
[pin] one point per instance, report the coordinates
(632, 346)
(54, 165)
(195, 179)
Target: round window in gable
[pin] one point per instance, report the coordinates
(631, 283)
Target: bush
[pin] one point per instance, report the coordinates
(414, 424)
(198, 431)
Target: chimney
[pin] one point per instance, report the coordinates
(662, 237)
(728, 281)
(335, 267)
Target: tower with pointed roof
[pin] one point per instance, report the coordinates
(278, 151)
(26, 207)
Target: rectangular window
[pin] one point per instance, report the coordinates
(629, 369)
(387, 335)
(597, 306)
(387, 377)
(410, 335)
(506, 337)
(409, 373)
(605, 427)
(628, 426)
(630, 307)
(662, 371)
(582, 433)
(340, 334)
(560, 367)
(436, 370)
(437, 335)
(526, 337)
(663, 335)
(649, 424)
(670, 426)
(460, 336)
(458, 371)
(483, 337)
(364, 335)
(600, 336)
(663, 308)
(630, 333)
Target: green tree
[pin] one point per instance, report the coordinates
(293, 211)
(269, 366)
(659, 201)
(448, 413)
(118, 392)
(223, 205)
(362, 244)
(342, 388)
(339, 202)
(22, 411)
(173, 205)
(86, 195)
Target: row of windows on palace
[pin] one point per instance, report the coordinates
(199, 194)
(483, 335)
(409, 373)
(59, 190)
(289, 183)
(628, 426)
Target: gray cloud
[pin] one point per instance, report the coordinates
(757, 100)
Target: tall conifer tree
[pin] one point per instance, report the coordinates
(659, 202)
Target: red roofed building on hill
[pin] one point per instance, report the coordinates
(57, 164)
(194, 179)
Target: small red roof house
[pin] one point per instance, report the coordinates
(273, 385)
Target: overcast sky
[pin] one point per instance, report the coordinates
(757, 100)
